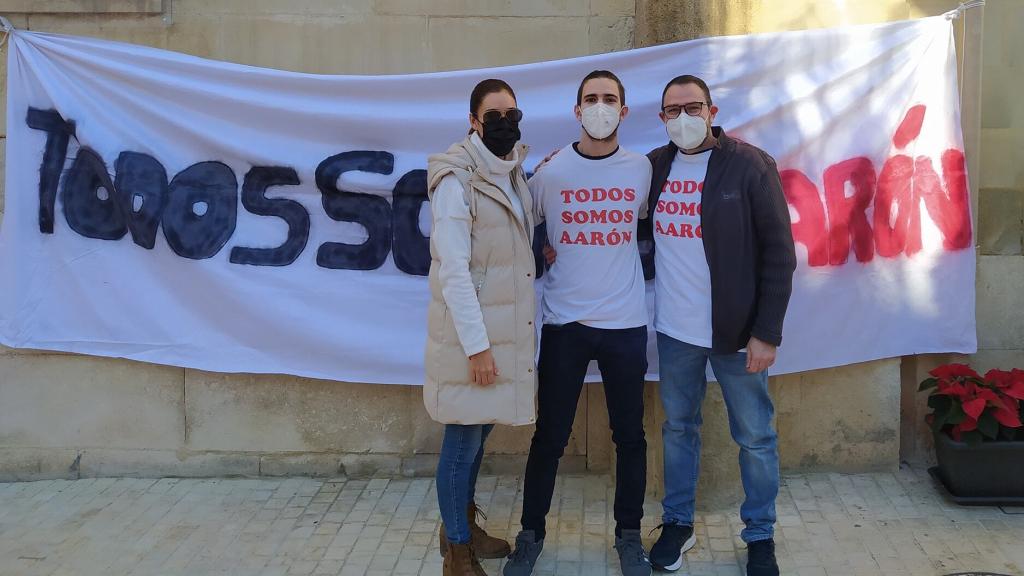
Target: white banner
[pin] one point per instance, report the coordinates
(171, 209)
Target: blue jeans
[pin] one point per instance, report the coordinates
(683, 383)
(457, 469)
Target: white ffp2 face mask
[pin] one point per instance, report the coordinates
(600, 120)
(687, 132)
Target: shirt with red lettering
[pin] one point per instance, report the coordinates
(591, 206)
(682, 284)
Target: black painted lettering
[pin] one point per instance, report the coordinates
(58, 133)
(411, 248)
(141, 189)
(88, 198)
(371, 212)
(254, 189)
(201, 210)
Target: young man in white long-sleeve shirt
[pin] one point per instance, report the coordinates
(591, 194)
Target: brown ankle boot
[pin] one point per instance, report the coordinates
(459, 560)
(485, 545)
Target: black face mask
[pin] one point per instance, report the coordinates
(500, 136)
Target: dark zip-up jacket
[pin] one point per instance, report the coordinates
(747, 239)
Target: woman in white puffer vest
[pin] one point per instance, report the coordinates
(481, 335)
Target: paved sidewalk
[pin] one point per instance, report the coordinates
(829, 524)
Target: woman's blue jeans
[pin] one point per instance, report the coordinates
(457, 469)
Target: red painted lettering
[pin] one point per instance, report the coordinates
(810, 229)
(847, 218)
(910, 127)
(949, 208)
(895, 206)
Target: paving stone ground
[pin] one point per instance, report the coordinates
(829, 525)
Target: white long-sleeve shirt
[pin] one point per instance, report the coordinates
(451, 231)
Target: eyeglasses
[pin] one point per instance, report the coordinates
(691, 109)
(513, 115)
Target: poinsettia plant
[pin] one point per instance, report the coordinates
(972, 408)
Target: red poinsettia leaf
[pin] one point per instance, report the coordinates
(956, 389)
(998, 378)
(1007, 417)
(955, 434)
(987, 394)
(951, 371)
(967, 425)
(974, 408)
(1015, 390)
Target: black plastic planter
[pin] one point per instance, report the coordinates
(989, 473)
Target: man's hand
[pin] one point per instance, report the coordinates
(482, 370)
(549, 254)
(544, 161)
(760, 355)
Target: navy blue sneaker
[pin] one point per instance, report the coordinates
(675, 540)
(761, 558)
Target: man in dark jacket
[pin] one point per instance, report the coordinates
(724, 259)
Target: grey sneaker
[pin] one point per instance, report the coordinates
(522, 559)
(632, 558)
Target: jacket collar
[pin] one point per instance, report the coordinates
(490, 164)
(490, 170)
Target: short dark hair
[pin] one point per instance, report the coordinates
(687, 79)
(601, 74)
(485, 87)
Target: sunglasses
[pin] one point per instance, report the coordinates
(512, 114)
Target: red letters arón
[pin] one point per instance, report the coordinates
(896, 195)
